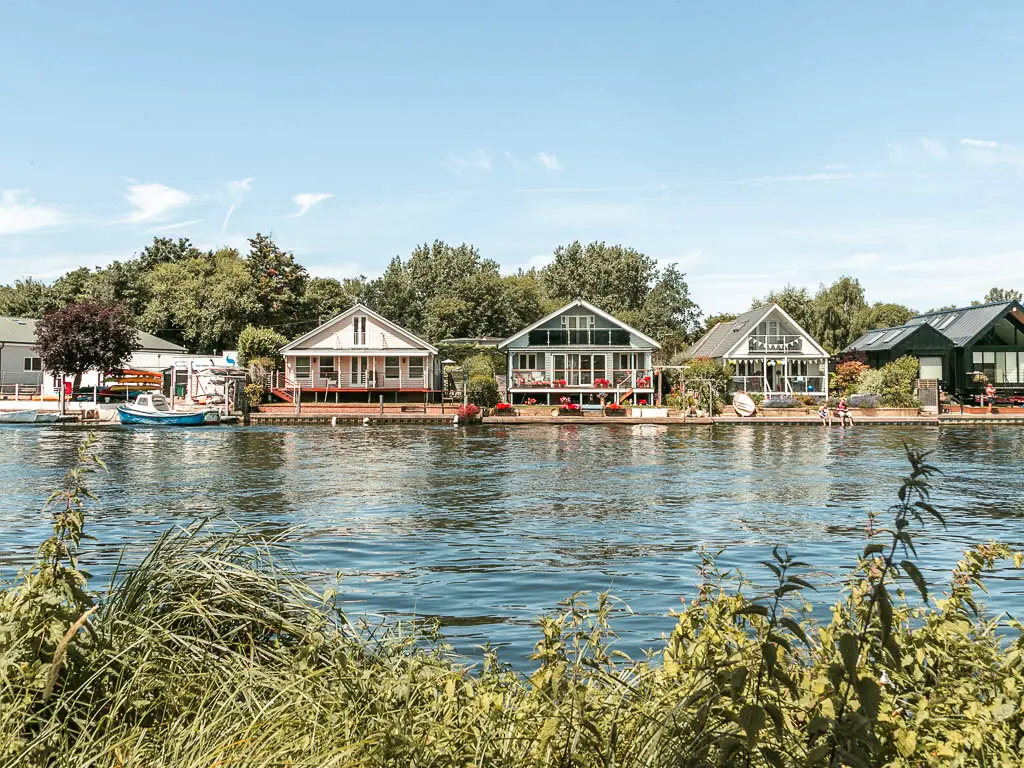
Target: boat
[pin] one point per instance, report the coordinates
(29, 417)
(743, 404)
(153, 408)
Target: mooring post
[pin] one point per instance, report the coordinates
(381, 405)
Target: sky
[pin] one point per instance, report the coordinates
(753, 144)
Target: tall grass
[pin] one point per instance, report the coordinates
(213, 652)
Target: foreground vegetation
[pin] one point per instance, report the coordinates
(213, 652)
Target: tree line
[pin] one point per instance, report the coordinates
(203, 299)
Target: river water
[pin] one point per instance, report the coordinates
(487, 528)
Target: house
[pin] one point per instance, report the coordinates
(21, 366)
(580, 352)
(771, 355)
(354, 355)
(954, 345)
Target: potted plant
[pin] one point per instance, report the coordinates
(614, 409)
(643, 382)
(559, 382)
(568, 408)
(468, 413)
(505, 409)
(602, 383)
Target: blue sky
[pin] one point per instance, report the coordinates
(754, 144)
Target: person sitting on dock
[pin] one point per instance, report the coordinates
(843, 412)
(825, 415)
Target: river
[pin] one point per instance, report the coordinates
(487, 528)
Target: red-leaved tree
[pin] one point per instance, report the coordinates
(85, 336)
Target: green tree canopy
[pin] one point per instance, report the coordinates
(26, 298)
(278, 282)
(795, 302)
(255, 343)
(1001, 294)
(833, 309)
(880, 315)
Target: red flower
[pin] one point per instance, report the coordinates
(643, 402)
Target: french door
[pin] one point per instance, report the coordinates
(357, 375)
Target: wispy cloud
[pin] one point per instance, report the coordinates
(980, 143)
(240, 187)
(477, 160)
(177, 225)
(935, 150)
(19, 213)
(987, 152)
(154, 201)
(813, 177)
(547, 161)
(236, 190)
(307, 200)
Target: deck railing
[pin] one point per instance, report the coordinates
(523, 378)
(812, 385)
(362, 380)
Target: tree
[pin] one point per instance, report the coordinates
(203, 302)
(626, 283)
(795, 302)
(833, 309)
(880, 315)
(1001, 294)
(259, 343)
(325, 298)
(166, 250)
(84, 336)
(278, 281)
(26, 298)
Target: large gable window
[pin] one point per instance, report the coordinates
(359, 331)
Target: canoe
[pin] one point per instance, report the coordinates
(153, 409)
(29, 417)
(743, 404)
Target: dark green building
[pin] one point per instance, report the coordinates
(955, 345)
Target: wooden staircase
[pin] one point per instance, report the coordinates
(284, 394)
(625, 395)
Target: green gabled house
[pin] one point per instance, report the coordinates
(954, 345)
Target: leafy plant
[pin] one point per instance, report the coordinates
(782, 402)
(864, 401)
(254, 394)
(258, 343)
(483, 390)
(846, 376)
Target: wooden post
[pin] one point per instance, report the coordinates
(381, 404)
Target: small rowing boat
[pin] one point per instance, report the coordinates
(153, 408)
(29, 417)
(743, 404)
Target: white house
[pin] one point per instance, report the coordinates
(358, 353)
(770, 353)
(580, 352)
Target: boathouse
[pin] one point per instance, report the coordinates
(963, 348)
(582, 353)
(357, 356)
(770, 354)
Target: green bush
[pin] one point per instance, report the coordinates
(256, 342)
(898, 383)
(213, 652)
(869, 382)
(480, 365)
(254, 394)
(483, 390)
(708, 381)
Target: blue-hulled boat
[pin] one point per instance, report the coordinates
(153, 408)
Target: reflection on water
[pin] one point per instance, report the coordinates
(488, 528)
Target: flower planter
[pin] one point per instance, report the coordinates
(504, 412)
(575, 412)
(615, 412)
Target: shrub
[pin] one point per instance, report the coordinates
(254, 342)
(214, 647)
(254, 394)
(870, 382)
(468, 411)
(708, 380)
(864, 401)
(898, 379)
(808, 399)
(503, 407)
(483, 390)
(846, 375)
(480, 365)
(782, 402)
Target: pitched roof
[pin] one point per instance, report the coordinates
(721, 340)
(882, 339)
(588, 306)
(22, 330)
(363, 310)
(963, 324)
(960, 326)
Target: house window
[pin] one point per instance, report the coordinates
(559, 367)
(931, 368)
(415, 367)
(33, 363)
(327, 365)
(302, 367)
(578, 322)
(525, 361)
(359, 331)
(392, 368)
